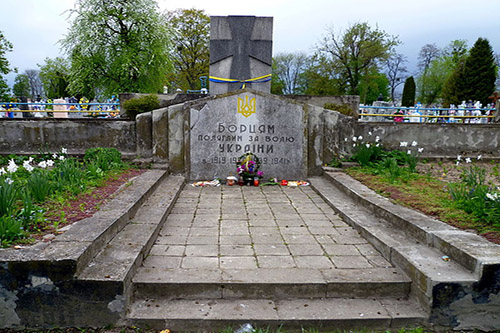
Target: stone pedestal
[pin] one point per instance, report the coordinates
(240, 49)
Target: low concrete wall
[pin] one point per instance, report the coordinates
(76, 135)
(438, 140)
(320, 101)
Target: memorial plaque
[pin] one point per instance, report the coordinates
(224, 128)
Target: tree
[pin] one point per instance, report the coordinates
(320, 78)
(54, 74)
(374, 86)
(190, 52)
(480, 72)
(21, 86)
(408, 98)
(356, 52)
(117, 46)
(427, 53)
(395, 71)
(289, 67)
(5, 46)
(36, 87)
(436, 75)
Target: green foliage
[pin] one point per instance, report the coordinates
(355, 53)
(190, 54)
(10, 229)
(117, 46)
(54, 76)
(374, 86)
(287, 67)
(474, 196)
(408, 98)
(39, 185)
(480, 72)
(431, 82)
(22, 190)
(103, 158)
(141, 104)
(342, 108)
(21, 86)
(5, 46)
(8, 196)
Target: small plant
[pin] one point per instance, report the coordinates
(10, 229)
(39, 185)
(103, 158)
(8, 196)
(141, 104)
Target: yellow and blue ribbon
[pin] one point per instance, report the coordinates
(260, 79)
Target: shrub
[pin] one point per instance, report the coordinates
(10, 229)
(342, 108)
(141, 104)
(103, 158)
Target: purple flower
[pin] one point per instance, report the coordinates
(260, 173)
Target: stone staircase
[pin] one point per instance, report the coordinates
(97, 272)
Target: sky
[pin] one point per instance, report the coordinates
(34, 27)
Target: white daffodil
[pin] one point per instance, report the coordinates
(493, 196)
(50, 163)
(479, 157)
(354, 139)
(377, 145)
(459, 157)
(30, 159)
(354, 145)
(360, 138)
(61, 158)
(403, 144)
(377, 138)
(54, 156)
(12, 167)
(27, 166)
(42, 164)
(414, 144)
(2, 171)
(457, 163)
(345, 139)
(64, 150)
(468, 160)
(8, 181)
(367, 145)
(370, 133)
(420, 150)
(408, 152)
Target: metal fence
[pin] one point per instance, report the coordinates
(59, 110)
(426, 115)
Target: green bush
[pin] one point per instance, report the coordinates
(141, 104)
(342, 108)
(103, 158)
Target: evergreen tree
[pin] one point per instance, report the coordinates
(408, 98)
(480, 72)
(454, 87)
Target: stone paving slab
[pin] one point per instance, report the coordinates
(300, 248)
(220, 228)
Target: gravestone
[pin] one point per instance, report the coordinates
(225, 127)
(240, 50)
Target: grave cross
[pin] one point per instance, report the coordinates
(241, 49)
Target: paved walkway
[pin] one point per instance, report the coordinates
(273, 227)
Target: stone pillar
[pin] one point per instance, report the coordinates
(497, 112)
(240, 49)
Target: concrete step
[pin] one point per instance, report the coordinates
(264, 283)
(119, 258)
(320, 314)
(424, 264)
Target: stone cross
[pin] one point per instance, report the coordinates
(240, 49)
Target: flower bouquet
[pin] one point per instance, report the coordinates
(247, 167)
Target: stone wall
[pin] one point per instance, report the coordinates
(32, 136)
(438, 140)
(320, 101)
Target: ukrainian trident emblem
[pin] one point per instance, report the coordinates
(246, 107)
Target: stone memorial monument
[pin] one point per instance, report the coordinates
(226, 127)
(240, 53)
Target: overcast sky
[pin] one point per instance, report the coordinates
(35, 26)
